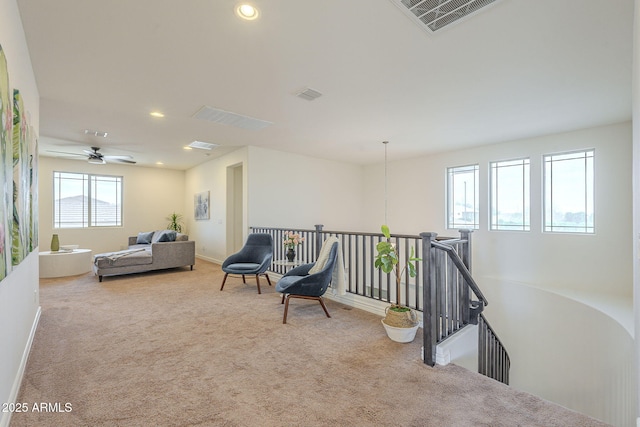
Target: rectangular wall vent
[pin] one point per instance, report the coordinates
(232, 119)
(434, 15)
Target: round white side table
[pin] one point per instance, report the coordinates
(60, 264)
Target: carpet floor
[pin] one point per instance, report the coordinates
(170, 349)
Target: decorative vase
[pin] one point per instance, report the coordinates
(291, 254)
(55, 243)
(401, 326)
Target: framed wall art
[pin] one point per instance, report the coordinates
(201, 206)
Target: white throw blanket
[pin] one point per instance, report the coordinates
(114, 256)
(338, 280)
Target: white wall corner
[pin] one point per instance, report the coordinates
(443, 355)
(461, 349)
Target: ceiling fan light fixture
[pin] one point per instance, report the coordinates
(96, 161)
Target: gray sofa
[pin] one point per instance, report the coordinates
(154, 250)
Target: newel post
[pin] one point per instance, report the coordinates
(429, 321)
(318, 239)
(465, 236)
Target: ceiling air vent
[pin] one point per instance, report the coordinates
(309, 94)
(434, 15)
(232, 119)
(203, 145)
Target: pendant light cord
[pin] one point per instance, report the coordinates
(385, 181)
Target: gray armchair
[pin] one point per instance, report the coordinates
(298, 283)
(253, 259)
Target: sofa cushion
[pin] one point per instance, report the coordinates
(163, 236)
(123, 258)
(181, 237)
(141, 246)
(144, 238)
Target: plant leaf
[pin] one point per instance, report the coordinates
(412, 270)
(385, 231)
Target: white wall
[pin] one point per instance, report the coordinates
(19, 304)
(566, 350)
(210, 235)
(636, 195)
(599, 263)
(291, 190)
(149, 196)
(280, 190)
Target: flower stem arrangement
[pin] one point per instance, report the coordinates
(388, 260)
(291, 240)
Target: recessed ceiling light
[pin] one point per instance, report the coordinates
(186, 147)
(156, 114)
(159, 163)
(248, 12)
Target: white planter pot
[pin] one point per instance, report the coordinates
(400, 334)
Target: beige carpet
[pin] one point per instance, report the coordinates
(169, 349)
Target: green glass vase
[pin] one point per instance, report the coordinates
(55, 243)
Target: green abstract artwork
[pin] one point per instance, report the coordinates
(6, 114)
(18, 177)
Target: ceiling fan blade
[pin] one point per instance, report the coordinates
(124, 157)
(65, 153)
(131, 162)
(92, 153)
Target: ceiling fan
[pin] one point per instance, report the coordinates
(95, 157)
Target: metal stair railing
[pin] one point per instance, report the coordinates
(443, 289)
(449, 305)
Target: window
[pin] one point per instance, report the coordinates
(85, 200)
(568, 192)
(462, 197)
(510, 195)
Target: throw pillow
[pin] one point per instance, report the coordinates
(144, 238)
(167, 236)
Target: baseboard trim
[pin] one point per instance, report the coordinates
(206, 258)
(6, 416)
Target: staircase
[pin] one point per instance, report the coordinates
(452, 301)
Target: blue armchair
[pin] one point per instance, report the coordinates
(299, 283)
(253, 259)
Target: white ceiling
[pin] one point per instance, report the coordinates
(520, 68)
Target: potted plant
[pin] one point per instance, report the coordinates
(175, 222)
(401, 322)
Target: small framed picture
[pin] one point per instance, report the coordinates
(201, 206)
